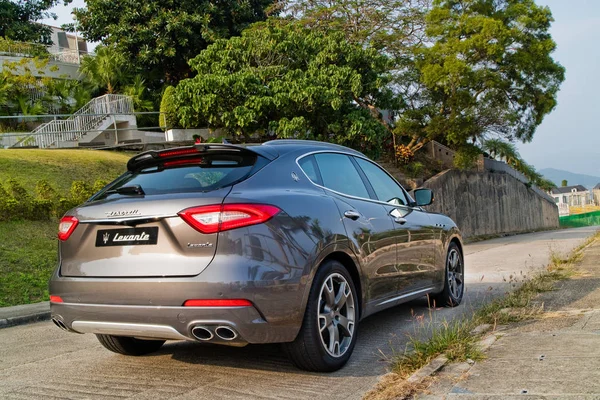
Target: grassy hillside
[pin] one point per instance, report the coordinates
(27, 258)
(60, 167)
(28, 249)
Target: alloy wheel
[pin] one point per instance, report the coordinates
(455, 274)
(336, 317)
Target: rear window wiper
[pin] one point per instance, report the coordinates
(127, 190)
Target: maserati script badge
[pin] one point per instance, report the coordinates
(122, 213)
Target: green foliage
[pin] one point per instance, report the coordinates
(290, 81)
(414, 169)
(158, 37)
(168, 112)
(564, 183)
(489, 70)
(16, 203)
(18, 20)
(466, 157)
(17, 48)
(27, 258)
(108, 70)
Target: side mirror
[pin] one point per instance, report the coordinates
(423, 197)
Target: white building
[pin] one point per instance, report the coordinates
(577, 196)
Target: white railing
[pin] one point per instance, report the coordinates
(86, 119)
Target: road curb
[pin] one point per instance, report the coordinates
(24, 314)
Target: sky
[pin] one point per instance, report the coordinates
(568, 138)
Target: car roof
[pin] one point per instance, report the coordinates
(282, 146)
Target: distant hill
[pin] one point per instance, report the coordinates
(557, 175)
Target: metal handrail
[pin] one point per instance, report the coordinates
(78, 124)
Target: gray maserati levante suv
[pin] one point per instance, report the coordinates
(291, 242)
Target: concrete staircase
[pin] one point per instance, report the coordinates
(84, 125)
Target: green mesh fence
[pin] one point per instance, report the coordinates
(576, 221)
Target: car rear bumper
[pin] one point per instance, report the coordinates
(171, 323)
(124, 306)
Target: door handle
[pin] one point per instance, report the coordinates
(400, 220)
(353, 215)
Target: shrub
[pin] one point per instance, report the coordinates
(466, 157)
(168, 113)
(17, 204)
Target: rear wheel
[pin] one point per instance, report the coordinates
(129, 346)
(329, 330)
(454, 279)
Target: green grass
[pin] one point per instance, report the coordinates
(28, 255)
(60, 167)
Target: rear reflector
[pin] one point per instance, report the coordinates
(66, 227)
(219, 218)
(218, 303)
(55, 299)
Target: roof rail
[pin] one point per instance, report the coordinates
(280, 142)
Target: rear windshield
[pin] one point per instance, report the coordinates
(196, 174)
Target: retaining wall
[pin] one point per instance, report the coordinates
(490, 203)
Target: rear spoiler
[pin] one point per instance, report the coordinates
(152, 156)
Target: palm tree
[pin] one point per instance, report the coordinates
(502, 150)
(137, 91)
(107, 69)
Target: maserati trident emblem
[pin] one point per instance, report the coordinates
(105, 237)
(122, 213)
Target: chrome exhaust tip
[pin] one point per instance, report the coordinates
(202, 333)
(225, 333)
(60, 324)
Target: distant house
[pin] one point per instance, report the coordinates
(596, 194)
(571, 195)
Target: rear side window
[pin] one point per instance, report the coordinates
(199, 174)
(309, 166)
(339, 174)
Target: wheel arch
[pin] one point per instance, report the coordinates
(347, 261)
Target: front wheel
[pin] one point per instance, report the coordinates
(129, 346)
(329, 329)
(454, 279)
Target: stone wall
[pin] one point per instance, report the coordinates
(486, 203)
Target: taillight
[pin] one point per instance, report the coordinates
(217, 303)
(219, 218)
(66, 226)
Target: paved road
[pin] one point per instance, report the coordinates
(40, 361)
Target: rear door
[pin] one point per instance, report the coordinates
(367, 223)
(132, 228)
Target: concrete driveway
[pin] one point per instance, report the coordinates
(40, 361)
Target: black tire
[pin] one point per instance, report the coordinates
(129, 346)
(309, 351)
(452, 294)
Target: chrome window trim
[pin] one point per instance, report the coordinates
(348, 195)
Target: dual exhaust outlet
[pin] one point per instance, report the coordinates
(205, 333)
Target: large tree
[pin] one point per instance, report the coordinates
(486, 71)
(462, 69)
(290, 81)
(18, 20)
(158, 37)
